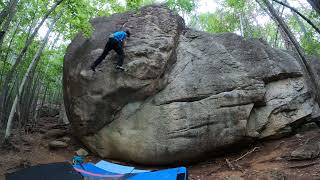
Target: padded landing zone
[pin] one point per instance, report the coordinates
(53, 171)
(104, 169)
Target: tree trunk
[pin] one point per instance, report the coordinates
(307, 69)
(22, 53)
(29, 98)
(5, 91)
(303, 28)
(315, 5)
(301, 15)
(5, 59)
(241, 24)
(44, 95)
(25, 98)
(34, 105)
(9, 100)
(56, 39)
(247, 27)
(3, 15)
(35, 59)
(10, 15)
(278, 29)
(7, 10)
(286, 40)
(29, 94)
(35, 100)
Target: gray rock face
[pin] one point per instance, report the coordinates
(185, 94)
(314, 64)
(96, 97)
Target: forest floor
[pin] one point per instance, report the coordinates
(266, 160)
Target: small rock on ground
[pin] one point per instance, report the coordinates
(65, 139)
(82, 152)
(234, 177)
(310, 150)
(54, 133)
(57, 144)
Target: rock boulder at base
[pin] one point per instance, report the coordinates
(309, 150)
(82, 152)
(57, 144)
(54, 133)
(185, 94)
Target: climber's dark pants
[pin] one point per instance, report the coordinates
(111, 44)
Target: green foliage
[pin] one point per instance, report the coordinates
(218, 22)
(77, 13)
(181, 5)
(2, 5)
(311, 44)
(116, 7)
(237, 4)
(134, 4)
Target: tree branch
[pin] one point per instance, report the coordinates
(301, 15)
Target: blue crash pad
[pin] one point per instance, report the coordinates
(104, 169)
(116, 168)
(167, 174)
(90, 170)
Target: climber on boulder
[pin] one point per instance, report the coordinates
(115, 42)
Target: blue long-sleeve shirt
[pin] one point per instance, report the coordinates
(120, 36)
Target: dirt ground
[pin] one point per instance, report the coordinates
(263, 161)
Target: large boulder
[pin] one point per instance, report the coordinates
(184, 95)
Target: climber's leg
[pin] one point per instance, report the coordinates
(108, 47)
(120, 53)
